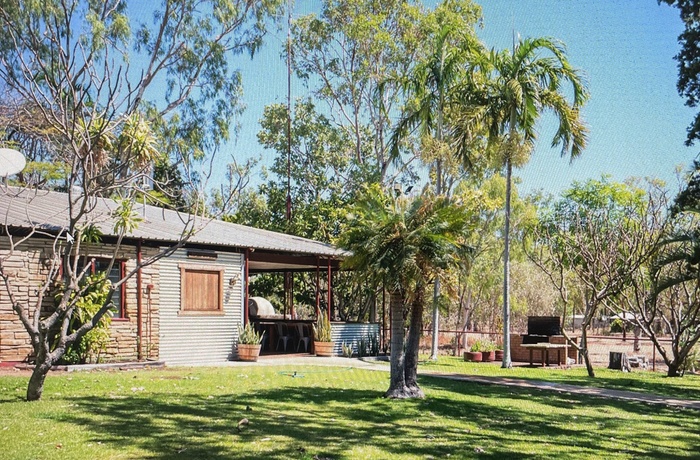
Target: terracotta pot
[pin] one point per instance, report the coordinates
(488, 356)
(472, 356)
(499, 355)
(324, 348)
(248, 352)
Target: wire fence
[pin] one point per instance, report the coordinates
(453, 342)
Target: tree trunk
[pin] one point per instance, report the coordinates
(507, 363)
(36, 381)
(435, 344)
(413, 344)
(673, 369)
(436, 322)
(584, 350)
(397, 380)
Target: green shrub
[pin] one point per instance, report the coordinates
(483, 345)
(93, 344)
(617, 326)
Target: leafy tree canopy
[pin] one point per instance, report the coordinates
(689, 60)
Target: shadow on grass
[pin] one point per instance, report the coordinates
(687, 387)
(674, 387)
(593, 435)
(456, 418)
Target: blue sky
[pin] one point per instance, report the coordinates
(636, 118)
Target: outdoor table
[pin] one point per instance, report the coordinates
(544, 351)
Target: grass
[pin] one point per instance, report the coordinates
(323, 412)
(687, 387)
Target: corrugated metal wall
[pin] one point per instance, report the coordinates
(351, 333)
(199, 339)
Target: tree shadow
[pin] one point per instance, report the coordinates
(606, 418)
(330, 421)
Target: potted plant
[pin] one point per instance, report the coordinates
(474, 353)
(488, 351)
(249, 343)
(499, 352)
(323, 340)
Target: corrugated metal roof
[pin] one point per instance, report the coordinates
(49, 210)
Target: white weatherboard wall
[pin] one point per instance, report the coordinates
(199, 339)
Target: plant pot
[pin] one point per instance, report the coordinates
(324, 348)
(472, 356)
(488, 356)
(248, 352)
(499, 355)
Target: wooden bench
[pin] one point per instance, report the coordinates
(544, 348)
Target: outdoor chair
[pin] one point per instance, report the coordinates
(283, 336)
(304, 337)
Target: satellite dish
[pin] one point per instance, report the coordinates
(11, 162)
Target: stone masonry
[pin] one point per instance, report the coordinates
(28, 269)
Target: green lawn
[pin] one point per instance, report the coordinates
(335, 413)
(687, 387)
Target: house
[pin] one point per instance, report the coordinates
(182, 309)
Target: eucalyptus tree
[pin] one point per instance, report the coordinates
(426, 88)
(343, 54)
(118, 96)
(353, 54)
(516, 88)
(405, 244)
(324, 178)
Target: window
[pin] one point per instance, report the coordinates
(114, 275)
(201, 289)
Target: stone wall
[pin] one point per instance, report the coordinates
(28, 269)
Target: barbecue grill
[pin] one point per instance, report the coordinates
(541, 328)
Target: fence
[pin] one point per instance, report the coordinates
(599, 347)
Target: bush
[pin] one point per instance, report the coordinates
(617, 326)
(91, 346)
(483, 345)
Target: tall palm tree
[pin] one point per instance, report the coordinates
(427, 88)
(516, 88)
(405, 244)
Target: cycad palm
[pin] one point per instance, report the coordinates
(405, 244)
(518, 86)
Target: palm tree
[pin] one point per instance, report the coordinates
(427, 90)
(517, 87)
(405, 244)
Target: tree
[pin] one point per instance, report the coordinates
(665, 294)
(688, 69)
(600, 233)
(354, 54)
(114, 100)
(516, 88)
(427, 90)
(405, 244)
(324, 179)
